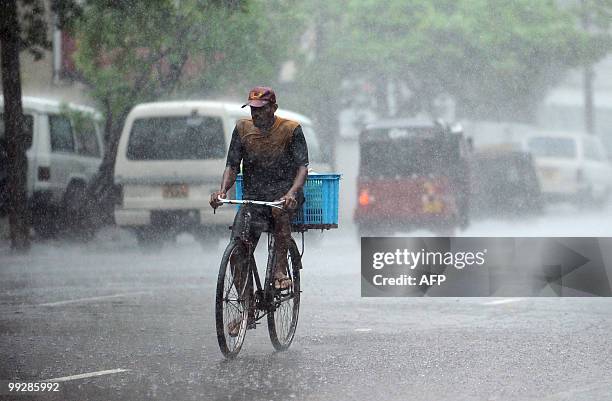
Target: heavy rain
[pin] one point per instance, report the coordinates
(425, 122)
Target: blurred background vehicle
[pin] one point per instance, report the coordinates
(488, 135)
(412, 174)
(571, 166)
(504, 175)
(504, 183)
(170, 158)
(64, 151)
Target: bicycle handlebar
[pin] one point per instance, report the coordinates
(276, 204)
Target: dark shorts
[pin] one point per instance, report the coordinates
(261, 219)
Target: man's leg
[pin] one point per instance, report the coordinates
(282, 237)
(238, 258)
(239, 264)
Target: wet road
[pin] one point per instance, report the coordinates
(141, 326)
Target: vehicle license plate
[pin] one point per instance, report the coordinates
(175, 191)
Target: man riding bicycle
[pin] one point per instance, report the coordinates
(274, 158)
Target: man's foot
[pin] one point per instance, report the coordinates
(233, 327)
(282, 283)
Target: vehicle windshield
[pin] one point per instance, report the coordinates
(404, 157)
(28, 125)
(564, 148)
(177, 138)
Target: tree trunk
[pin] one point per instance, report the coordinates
(13, 120)
(102, 191)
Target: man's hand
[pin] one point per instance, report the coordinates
(290, 200)
(214, 199)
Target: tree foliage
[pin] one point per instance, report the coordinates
(134, 51)
(495, 58)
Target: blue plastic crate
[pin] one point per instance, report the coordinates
(320, 210)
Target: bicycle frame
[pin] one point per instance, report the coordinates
(275, 204)
(263, 297)
(279, 305)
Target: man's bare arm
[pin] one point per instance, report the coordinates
(229, 178)
(298, 183)
(300, 179)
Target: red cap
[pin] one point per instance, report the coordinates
(260, 96)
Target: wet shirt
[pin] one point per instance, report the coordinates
(270, 160)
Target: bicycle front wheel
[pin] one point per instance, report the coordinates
(232, 302)
(283, 317)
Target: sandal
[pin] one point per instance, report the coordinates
(282, 283)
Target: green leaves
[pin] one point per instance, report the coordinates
(492, 56)
(487, 54)
(132, 51)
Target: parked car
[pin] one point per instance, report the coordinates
(170, 158)
(412, 174)
(64, 151)
(505, 182)
(571, 166)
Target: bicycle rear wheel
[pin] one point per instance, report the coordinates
(231, 304)
(283, 317)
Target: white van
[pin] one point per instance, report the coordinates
(64, 151)
(171, 157)
(571, 166)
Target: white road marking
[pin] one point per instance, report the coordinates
(503, 301)
(569, 394)
(87, 375)
(90, 299)
(363, 330)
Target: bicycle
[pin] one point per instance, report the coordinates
(237, 302)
